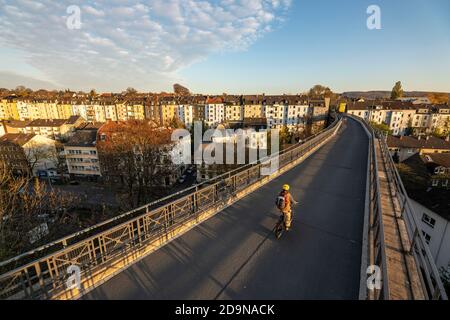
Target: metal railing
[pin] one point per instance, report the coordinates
(429, 275)
(43, 272)
(377, 252)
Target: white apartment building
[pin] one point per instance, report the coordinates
(214, 113)
(81, 154)
(422, 119)
(110, 112)
(296, 115)
(276, 115)
(436, 231)
(185, 113)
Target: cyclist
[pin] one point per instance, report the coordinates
(284, 203)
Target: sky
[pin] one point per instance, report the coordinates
(224, 46)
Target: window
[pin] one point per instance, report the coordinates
(435, 182)
(428, 220)
(426, 236)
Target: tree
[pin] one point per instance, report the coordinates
(178, 89)
(92, 94)
(136, 154)
(38, 154)
(131, 90)
(397, 91)
(25, 205)
(381, 127)
(285, 136)
(176, 123)
(438, 98)
(320, 92)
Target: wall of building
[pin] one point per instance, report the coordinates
(438, 231)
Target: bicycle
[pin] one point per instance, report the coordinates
(280, 227)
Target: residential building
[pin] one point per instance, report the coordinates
(39, 152)
(435, 228)
(438, 165)
(405, 146)
(82, 155)
(214, 112)
(8, 108)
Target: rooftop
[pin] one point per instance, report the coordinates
(48, 123)
(440, 159)
(416, 177)
(83, 138)
(16, 138)
(429, 142)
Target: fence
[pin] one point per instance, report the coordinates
(429, 275)
(108, 247)
(377, 253)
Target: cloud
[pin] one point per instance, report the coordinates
(124, 43)
(10, 80)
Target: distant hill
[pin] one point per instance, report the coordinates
(384, 94)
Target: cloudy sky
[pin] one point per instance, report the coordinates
(215, 46)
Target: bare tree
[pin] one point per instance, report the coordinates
(136, 155)
(25, 205)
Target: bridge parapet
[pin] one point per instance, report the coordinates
(106, 249)
(395, 244)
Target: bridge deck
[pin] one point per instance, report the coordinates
(234, 255)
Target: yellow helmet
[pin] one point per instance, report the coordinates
(286, 187)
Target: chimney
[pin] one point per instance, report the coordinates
(428, 138)
(419, 137)
(447, 138)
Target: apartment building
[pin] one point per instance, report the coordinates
(186, 114)
(435, 228)
(253, 106)
(8, 108)
(404, 117)
(82, 155)
(214, 112)
(168, 112)
(234, 112)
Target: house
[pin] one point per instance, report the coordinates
(82, 155)
(405, 146)
(15, 126)
(23, 152)
(438, 165)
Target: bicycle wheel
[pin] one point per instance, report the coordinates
(278, 230)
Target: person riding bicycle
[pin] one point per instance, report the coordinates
(284, 204)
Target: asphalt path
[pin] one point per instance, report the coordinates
(234, 255)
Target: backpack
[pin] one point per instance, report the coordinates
(281, 202)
